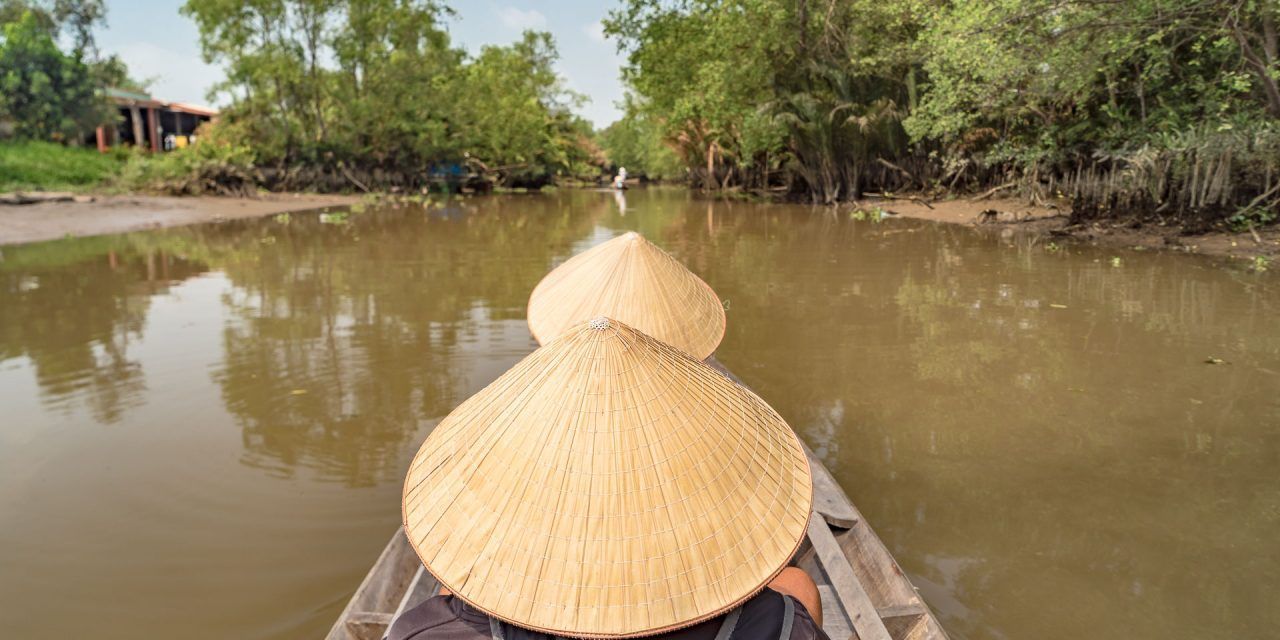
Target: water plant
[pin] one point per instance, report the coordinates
(1250, 217)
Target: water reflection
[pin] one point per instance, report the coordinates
(1033, 431)
(75, 322)
(344, 342)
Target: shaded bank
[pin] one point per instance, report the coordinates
(1051, 225)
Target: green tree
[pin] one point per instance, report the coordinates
(376, 85)
(703, 69)
(75, 18)
(751, 89)
(44, 93)
(636, 142)
(1055, 76)
(1157, 105)
(517, 114)
(1138, 106)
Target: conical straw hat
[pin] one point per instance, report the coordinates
(630, 279)
(608, 485)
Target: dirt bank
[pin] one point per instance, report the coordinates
(1053, 222)
(117, 214)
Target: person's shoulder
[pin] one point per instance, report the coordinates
(763, 616)
(437, 618)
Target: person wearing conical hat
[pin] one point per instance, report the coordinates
(611, 486)
(632, 280)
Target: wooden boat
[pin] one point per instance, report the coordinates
(864, 593)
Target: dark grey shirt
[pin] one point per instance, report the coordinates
(761, 618)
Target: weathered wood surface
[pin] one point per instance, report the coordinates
(36, 197)
(865, 595)
(854, 602)
(381, 591)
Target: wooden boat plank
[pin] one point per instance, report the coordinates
(876, 568)
(834, 621)
(408, 593)
(423, 586)
(367, 625)
(828, 499)
(901, 611)
(854, 600)
(382, 587)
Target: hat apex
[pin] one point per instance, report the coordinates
(630, 279)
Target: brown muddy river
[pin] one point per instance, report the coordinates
(203, 430)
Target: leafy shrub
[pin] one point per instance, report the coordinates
(214, 165)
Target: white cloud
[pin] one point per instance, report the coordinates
(594, 31)
(174, 76)
(513, 18)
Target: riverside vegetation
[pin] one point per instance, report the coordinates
(1162, 108)
(359, 95)
(1156, 110)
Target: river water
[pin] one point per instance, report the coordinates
(203, 430)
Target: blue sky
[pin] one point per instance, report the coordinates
(156, 42)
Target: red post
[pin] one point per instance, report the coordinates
(102, 139)
(153, 130)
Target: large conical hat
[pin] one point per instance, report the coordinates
(630, 279)
(608, 485)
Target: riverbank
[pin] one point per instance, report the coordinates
(118, 214)
(96, 215)
(1053, 222)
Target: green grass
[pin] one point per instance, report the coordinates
(45, 166)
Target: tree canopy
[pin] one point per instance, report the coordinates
(377, 83)
(47, 93)
(832, 98)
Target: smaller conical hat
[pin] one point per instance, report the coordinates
(631, 280)
(607, 486)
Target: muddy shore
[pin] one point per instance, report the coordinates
(1053, 223)
(119, 214)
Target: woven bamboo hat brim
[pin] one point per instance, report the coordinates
(632, 280)
(608, 485)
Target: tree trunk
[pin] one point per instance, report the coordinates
(1260, 67)
(710, 179)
